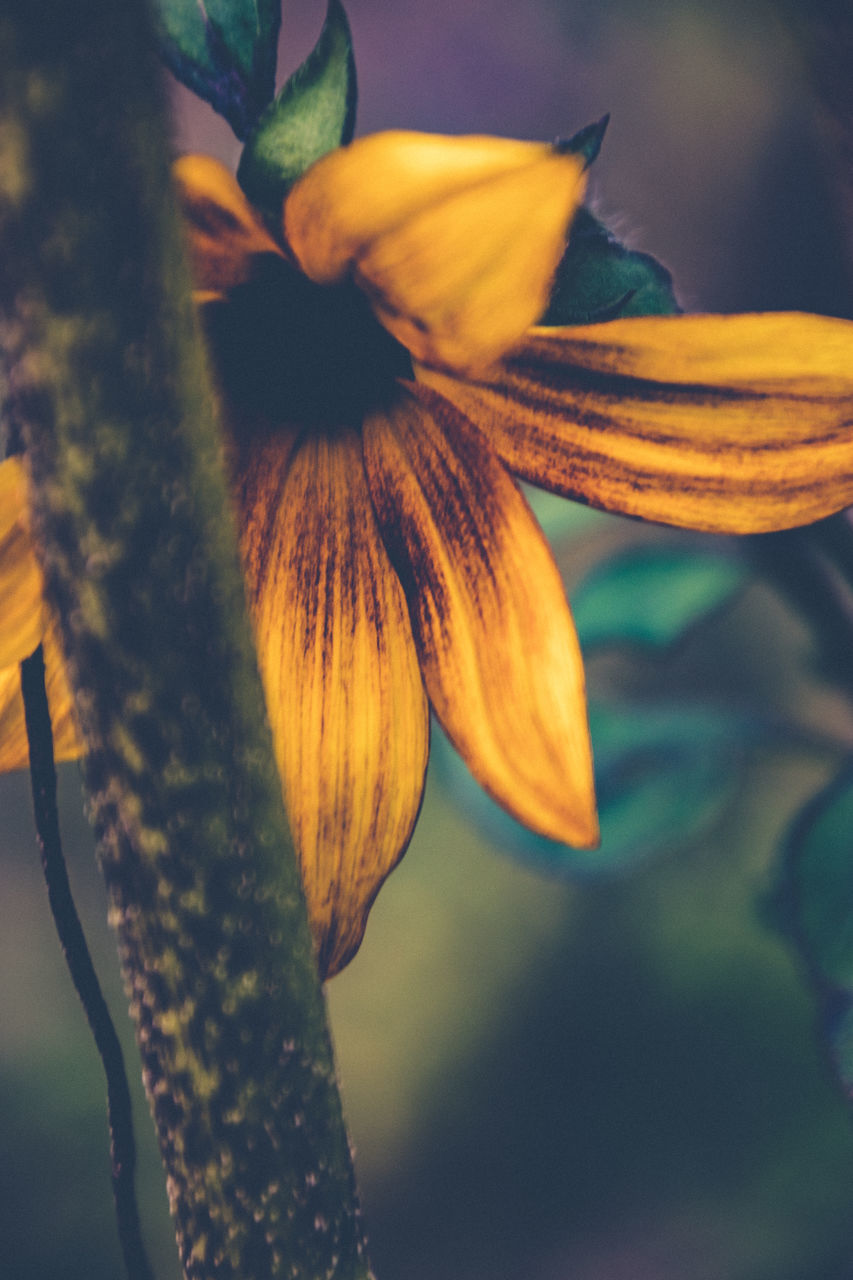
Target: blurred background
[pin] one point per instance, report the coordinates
(552, 1070)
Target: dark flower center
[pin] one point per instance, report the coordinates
(286, 350)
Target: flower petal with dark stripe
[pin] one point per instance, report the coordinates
(383, 383)
(731, 424)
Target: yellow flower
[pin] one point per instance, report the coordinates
(383, 378)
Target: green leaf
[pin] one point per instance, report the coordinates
(813, 905)
(651, 596)
(840, 1034)
(599, 279)
(559, 519)
(663, 776)
(313, 114)
(819, 883)
(225, 51)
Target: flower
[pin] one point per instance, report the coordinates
(383, 380)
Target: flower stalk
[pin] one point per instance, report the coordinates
(106, 387)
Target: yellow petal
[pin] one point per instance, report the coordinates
(224, 232)
(343, 689)
(496, 641)
(67, 745)
(14, 753)
(733, 424)
(455, 240)
(21, 611)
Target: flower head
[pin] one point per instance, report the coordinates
(383, 378)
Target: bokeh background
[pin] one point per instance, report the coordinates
(611, 1077)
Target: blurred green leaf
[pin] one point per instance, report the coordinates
(313, 114)
(813, 905)
(225, 51)
(599, 279)
(652, 595)
(840, 1033)
(818, 883)
(559, 519)
(663, 775)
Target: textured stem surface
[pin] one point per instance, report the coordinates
(106, 386)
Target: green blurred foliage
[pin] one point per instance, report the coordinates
(819, 883)
(642, 1097)
(812, 904)
(663, 774)
(610, 1081)
(652, 595)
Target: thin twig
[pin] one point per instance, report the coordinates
(76, 951)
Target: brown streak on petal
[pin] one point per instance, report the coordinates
(67, 744)
(746, 427)
(344, 693)
(21, 610)
(497, 645)
(259, 475)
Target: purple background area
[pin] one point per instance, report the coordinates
(711, 161)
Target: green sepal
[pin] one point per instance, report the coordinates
(225, 51)
(587, 141)
(652, 596)
(313, 114)
(600, 279)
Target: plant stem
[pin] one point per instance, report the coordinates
(106, 381)
(79, 961)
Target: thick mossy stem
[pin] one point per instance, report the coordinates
(106, 383)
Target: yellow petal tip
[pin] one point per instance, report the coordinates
(571, 821)
(455, 240)
(223, 230)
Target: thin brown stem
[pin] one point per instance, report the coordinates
(80, 966)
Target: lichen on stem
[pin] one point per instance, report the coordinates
(106, 387)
